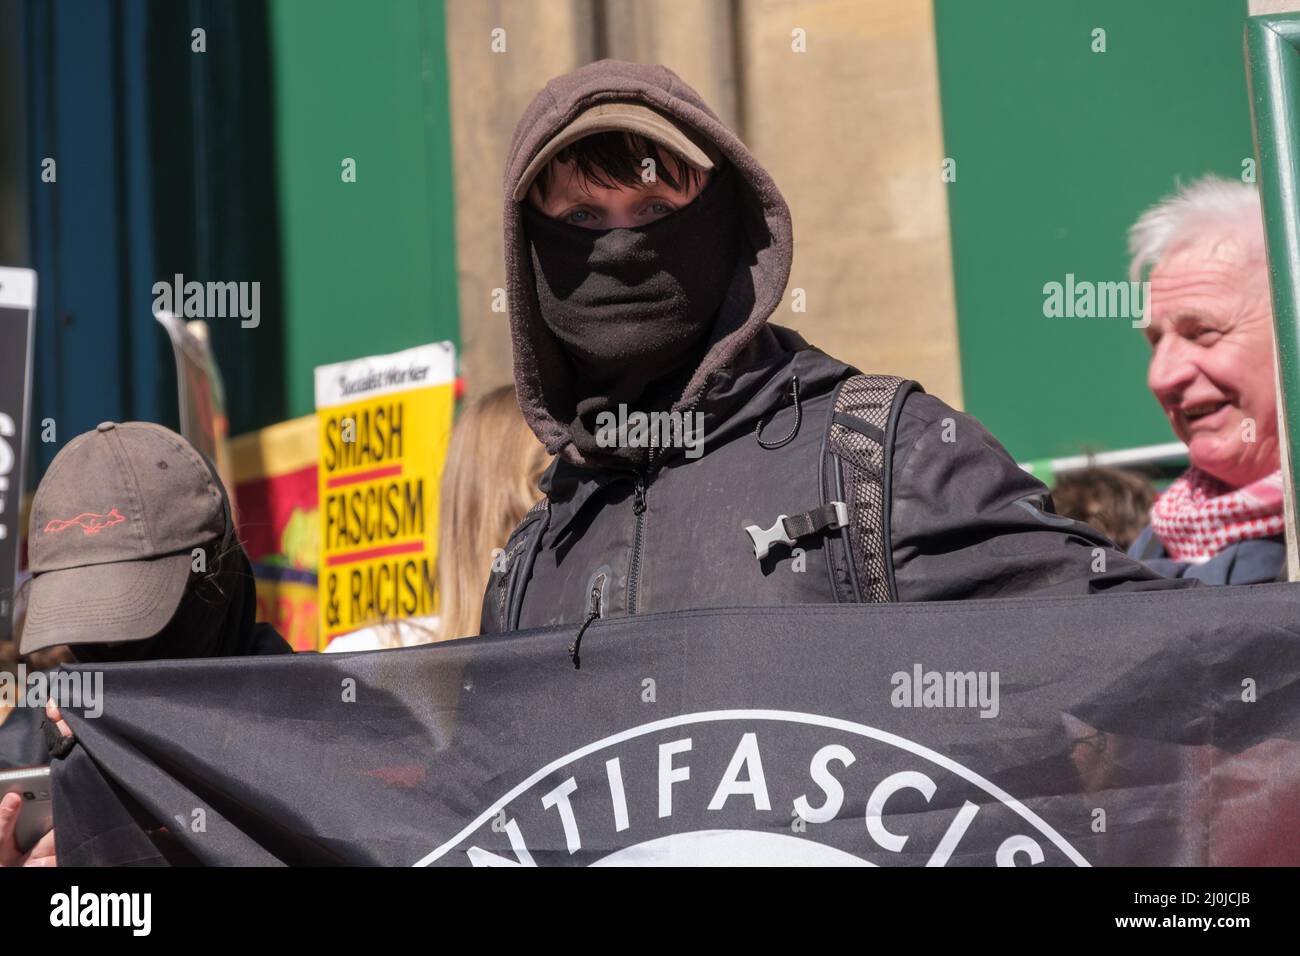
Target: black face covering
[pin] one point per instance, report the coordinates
(633, 308)
(215, 618)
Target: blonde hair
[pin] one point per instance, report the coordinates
(490, 481)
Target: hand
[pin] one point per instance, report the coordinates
(55, 716)
(42, 854)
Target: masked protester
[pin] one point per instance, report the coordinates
(134, 554)
(134, 557)
(706, 457)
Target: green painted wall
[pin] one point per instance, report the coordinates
(369, 267)
(1058, 149)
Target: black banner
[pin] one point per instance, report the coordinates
(1159, 728)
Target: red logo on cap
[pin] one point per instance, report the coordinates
(87, 521)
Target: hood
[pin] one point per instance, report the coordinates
(542, 376)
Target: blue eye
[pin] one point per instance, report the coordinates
(576, 217)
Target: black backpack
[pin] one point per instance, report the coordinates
(857, 462)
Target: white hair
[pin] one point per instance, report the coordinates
(1208, 206)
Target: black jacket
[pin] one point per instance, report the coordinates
(962, 519)
(1253, 561)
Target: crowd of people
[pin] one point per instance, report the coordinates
(646, 251)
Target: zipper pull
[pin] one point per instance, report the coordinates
(593, 596)
(638, 497)
(794, 429)
(593, 614)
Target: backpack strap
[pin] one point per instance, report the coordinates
(512, 568)
(857, 462)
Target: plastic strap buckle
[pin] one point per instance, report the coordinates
(790, 528)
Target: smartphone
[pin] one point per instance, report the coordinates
(36, 818)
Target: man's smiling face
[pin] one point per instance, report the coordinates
(580, 201)
(1211, 369)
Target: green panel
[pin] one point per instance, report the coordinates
(370, 266)
(1058, 149)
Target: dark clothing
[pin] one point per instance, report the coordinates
(267, 640)
(964, 521)
(1253, 561)
(21, 741)
(216, 617)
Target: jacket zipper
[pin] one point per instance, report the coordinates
(638, 509)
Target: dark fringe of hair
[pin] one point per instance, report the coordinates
(614, 159)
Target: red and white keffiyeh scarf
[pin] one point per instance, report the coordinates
(1198, 516)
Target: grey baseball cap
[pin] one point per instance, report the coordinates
(112, 532)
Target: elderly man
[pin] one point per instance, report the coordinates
(1211, 337)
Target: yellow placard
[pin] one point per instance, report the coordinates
(384, 424)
